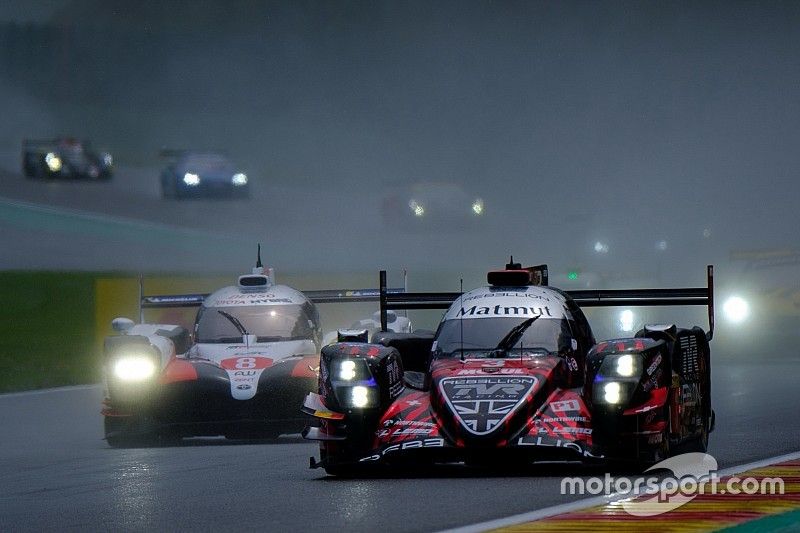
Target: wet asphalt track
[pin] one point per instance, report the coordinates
(58, 474)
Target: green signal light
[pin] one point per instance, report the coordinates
(573, 275)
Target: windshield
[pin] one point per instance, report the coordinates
(269, 323)
(483, 335)
(207, 163)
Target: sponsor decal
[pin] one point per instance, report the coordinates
(244, 373)
(528, 440)
(414, 444)
(262, 299)
(521, 294)
(491, 370)
(570, 430)
(654, 365)
(566, 405)
(246, 363)
(505, 310)
(396, 386)
(652, 383)
(483, 404)
(560, 419)
(410, 445)
(404, 432)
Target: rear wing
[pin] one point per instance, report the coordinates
(166, 301)
(584, 298)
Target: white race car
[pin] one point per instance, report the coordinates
(242, 373)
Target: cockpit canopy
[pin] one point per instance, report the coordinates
(269, 323)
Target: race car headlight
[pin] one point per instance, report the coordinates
(134, 368)
(191, 180)
(617, 378)
(625, 365)
(416, 208)
(359, 396)
(53, 162)
(612, 392)
(736, 309)
(108, 160)
(351, 370)
(239, 179)
(477, 207)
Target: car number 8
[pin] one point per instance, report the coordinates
(246, 363)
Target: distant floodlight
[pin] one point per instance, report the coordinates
(706, 233)
(601, 247)
(736, 309)
(477, 207)
(626, 320)
(661, 245)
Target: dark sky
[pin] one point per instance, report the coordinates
(640, 118)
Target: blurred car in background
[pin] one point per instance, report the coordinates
(66, 158)
(202, 174)
(423, 204)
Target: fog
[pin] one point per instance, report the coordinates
(665, 132)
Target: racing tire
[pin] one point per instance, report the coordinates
(698, 443)
(127, 433)
(169, 190)
(343, 470)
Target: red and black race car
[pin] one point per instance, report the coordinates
(513, 374)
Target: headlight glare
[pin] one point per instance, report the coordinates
(416, 208)
(53, 162)
(191, 179)
(736, 309)
(612, 392)
(134, 368)
(626, 365)
(347, 370)
(239, 179)
(359, 396)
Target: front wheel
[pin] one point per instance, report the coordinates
(128, 432)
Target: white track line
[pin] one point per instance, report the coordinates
(599, 500)
(49, 391)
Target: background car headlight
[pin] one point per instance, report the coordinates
(239, 179)
(53, 162)
(134, 368)
(416, 208)
(191, 179)
(736, 309)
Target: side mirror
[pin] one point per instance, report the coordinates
(122, 324)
